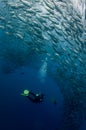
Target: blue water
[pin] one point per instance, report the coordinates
(17, 112)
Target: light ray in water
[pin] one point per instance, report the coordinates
(43, 71)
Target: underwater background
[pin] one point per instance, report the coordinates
(43, 49)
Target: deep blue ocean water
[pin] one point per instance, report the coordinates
(17, 112)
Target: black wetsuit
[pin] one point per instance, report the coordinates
(35, 98)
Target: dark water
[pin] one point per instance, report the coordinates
(16, 112)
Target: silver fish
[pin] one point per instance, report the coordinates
(26, 2)
(49, 4)
(2, 18)
(15, 5)
(21, 18)
(2, 27)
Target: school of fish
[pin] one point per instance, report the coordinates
(55, 29)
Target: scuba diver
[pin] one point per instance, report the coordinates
(35, 98)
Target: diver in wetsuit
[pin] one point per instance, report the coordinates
(36, 98)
